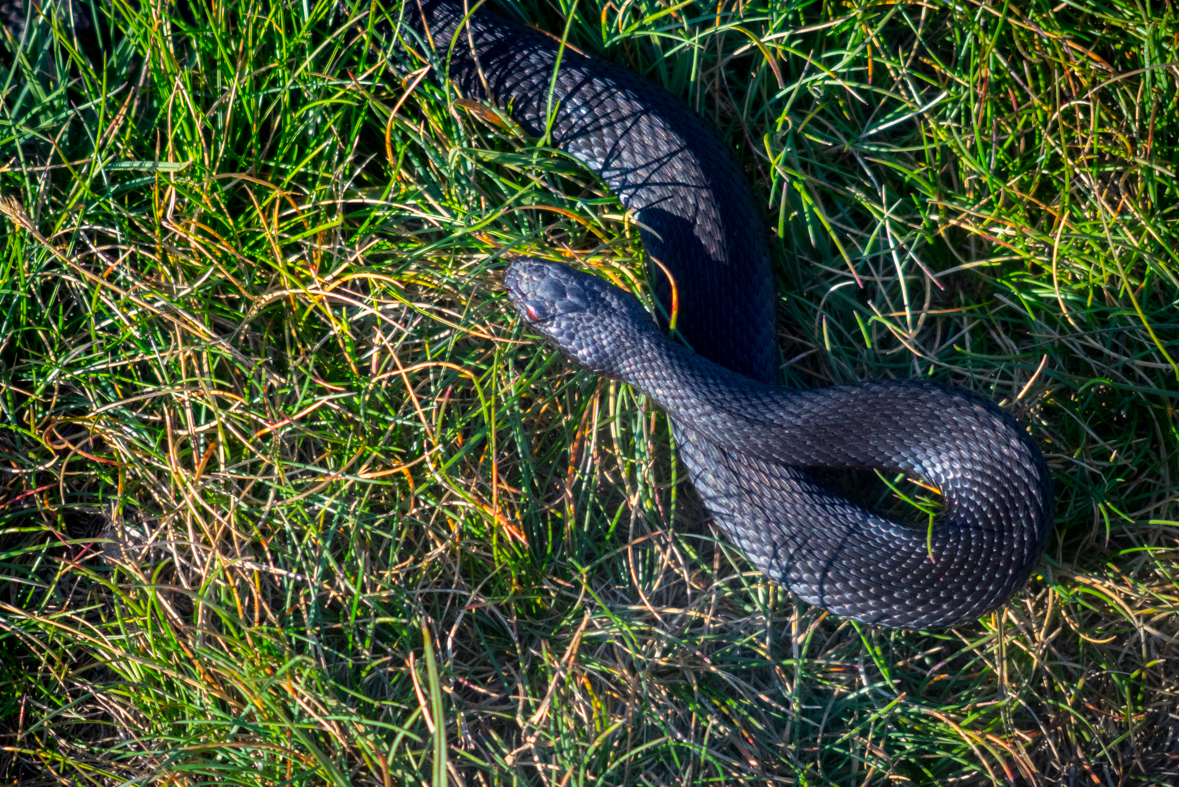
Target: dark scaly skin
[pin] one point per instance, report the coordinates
(739, 438)
(831, 552)
(657, 155)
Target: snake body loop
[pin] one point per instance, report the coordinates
(746, 442)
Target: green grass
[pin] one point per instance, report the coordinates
(288, 497)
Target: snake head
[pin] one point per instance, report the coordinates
(589, 320)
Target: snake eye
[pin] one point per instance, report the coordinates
(531, 313)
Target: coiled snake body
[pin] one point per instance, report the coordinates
(745, 441)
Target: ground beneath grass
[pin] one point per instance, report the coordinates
(288, 497)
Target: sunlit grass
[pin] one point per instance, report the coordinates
(288, 497)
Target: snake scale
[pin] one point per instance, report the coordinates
(749, 445)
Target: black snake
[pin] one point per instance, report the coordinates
(746, 442)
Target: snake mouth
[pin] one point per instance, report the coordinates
(532, 311)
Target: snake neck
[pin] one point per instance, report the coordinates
(696, 212)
